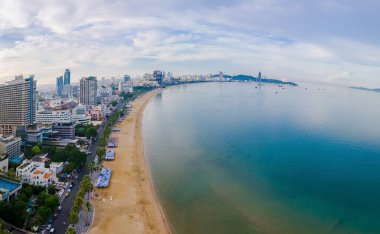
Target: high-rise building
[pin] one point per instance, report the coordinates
(126, 78)
(221, 75)
(158, 76)
(88, 90)
(67, 91)
(66, 77)
(59, 86)
(18, 104)
(76, 91)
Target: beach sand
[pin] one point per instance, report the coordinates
(130, 204)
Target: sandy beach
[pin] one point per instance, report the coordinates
(130, 204)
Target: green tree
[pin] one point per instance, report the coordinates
(36, 150)
(52, 201)
(73, 217)
(114, 103)
(44, 212)
(70, 230)
(52, 190)
(28, 191)
(91, 167)
(91, 132)
(88, 209)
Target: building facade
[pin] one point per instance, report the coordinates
(53, 116)
(59, 86)
(67, 91)
(67, 77)
(158, 76)
(88, 91)
(64, 129)
(10, 146)
(18, 104)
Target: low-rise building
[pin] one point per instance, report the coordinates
(52, 116)
(40, 176)
(40, 159)
(4, 164)
(34, 171)
(64, 129)
(8, 188)
(56, 167)
(10, 146)
(97, 113)
(38, 135)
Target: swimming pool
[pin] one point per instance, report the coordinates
(10, 186)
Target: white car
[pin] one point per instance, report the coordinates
(48, 227)
(59, 207)
(52, 230)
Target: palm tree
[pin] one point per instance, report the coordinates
(88, 209)
(91, 167)
(70, 230)
(73, 217)
(78, 204)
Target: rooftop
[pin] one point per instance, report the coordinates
(24, 165)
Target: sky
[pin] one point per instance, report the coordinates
(332, 41)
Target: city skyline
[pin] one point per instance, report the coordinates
(324, 41)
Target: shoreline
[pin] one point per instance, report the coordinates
(130, 204)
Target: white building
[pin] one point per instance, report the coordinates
(56, 167)
(53, 116)
(34, 172)
(10, 146)
(4, 164)
(18, 104)
(125, 87)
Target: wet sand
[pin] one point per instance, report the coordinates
(130, 204)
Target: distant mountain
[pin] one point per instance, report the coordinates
(367, 89)
(252, 78)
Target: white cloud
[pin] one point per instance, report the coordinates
(107, 38)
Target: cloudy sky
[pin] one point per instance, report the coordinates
(333, 41)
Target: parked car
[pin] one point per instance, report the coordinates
(59, 208)
(67, 194)
(52, 230)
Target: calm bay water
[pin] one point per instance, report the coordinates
(230, 158)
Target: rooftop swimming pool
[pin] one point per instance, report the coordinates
(8, 185)
(15, 159)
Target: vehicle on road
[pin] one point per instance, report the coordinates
(67, 194)
(48, 227)
(52, 230)
(59, 208)
(69, 190)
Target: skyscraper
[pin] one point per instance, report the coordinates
(126, 78)
(158, 76)
(59, 85)
(18, 104)
(88, 90)
(66, 77)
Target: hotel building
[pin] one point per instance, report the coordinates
(18, 104)
(88, 91)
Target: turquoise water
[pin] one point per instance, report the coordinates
(230, 158)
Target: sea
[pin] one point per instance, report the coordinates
(239, 157)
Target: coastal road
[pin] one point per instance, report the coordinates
(60, 223)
